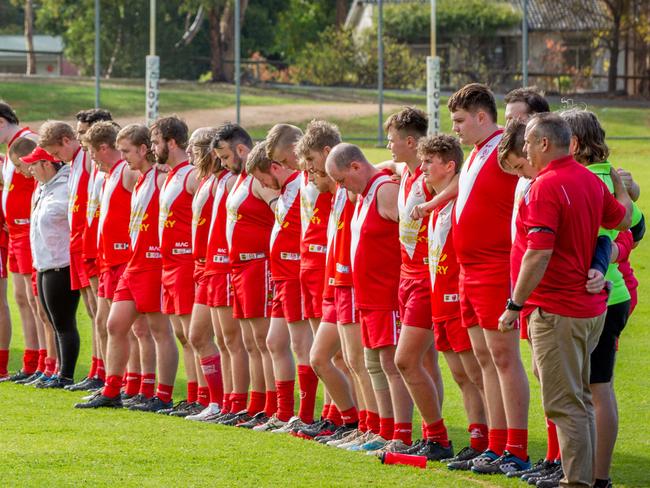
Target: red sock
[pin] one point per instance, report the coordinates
(334, 415)
(204, 396)
(93, 367)
(350, 416)
(386, 428)
(403, 431)
(227, 403)
(517, 443)
(101, 369)
(164, 392)
(437, 432)
(271, 403)
(50, 366)
(147, 385)
(553, 449)
(238, 402)
(4, 362)
(372, 421)
(255, 404)
(308, 384)
(192, 391)
(113, 386)
(132, 383)
(478, 436)
(497, 440)
(285, 399)
(30, 361)
(42, 353)
(363, 426)
(211, 367)
(326, 411)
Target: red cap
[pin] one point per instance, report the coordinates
(38, 154)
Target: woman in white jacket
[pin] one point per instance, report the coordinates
(50, 241)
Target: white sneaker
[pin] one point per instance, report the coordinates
(293, 423)
(360, 439)
(270, 425)
(211, 411)
(93, 395)
(353, 434)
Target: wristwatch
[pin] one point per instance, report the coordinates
(510, 305)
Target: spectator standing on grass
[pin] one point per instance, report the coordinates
(559, 221)
(50, 244)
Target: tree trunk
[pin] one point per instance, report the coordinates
(341, 12)
(29, 38)
(228, 37)
(613, 54)
(216, 58)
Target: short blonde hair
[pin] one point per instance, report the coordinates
(21, 147)
(318, 135)
(281, 136)
(52, 133)
(258, 159)
(103, 132)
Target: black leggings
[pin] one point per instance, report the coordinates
(60, 303)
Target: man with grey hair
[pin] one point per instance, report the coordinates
(376, 260)
(557, 227)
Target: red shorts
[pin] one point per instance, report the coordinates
(20, 255)
(142, 288)
(90, 267)
(379, 328)
(312, 283)
(201, 288)
(178, 290)
(287, 301)
(252, 290)
(329, 311)
(108, 281)
(483, 295)
(4, 255)
(218, 290)
(346, 312)
(415, 302)
(450, 335)
(78, 276)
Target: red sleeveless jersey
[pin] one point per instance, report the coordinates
(114, 216)
(143, 227)
(285, 235)
(314, 215)
(78, 200)
(95, 188)
(201, 214)
(483, 213)
(216, 258)
(342, 211)
(375, 251)
(249, 223)
(17, 192)
(413, 233)
(175, 218)
(4, 236)
(443, 265)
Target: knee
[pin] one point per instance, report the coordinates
(318, 360)
(21, 299)
(375, 371)
(196, 337)
(504, 360)
(405, 363)
(115, 329)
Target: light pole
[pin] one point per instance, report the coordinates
(433, 79)
(380, 71)
(238, 59)
(152, 80)
(97, 54)
(524, 45)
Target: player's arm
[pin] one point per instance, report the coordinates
(129, 178)
(268, 195)
(192, 181)
(621, 195)
(396, 168)
(387, 201)
(631, 186)
(599, 264)
(88, 162)
(424, 209)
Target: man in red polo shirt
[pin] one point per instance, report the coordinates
(557, 228)
(481, 230)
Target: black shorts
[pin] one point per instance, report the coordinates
(602, 358)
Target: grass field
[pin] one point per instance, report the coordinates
(45, 442)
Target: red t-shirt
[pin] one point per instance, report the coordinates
(483, 213)
(569, 203)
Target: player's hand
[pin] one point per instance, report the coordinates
(626, 177)
(508, 320)
(420, 211)
(163, 168)
(595, 281)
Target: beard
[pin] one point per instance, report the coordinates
(237, 163)
(163, 157)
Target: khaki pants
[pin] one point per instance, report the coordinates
(561, 349)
